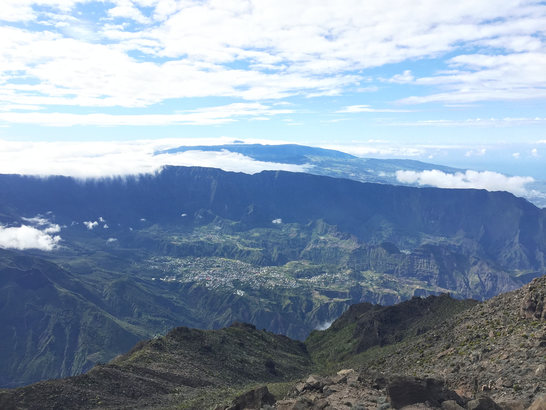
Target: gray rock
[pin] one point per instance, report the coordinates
(418, 406)
(538, 404)
(314, 382)
(533, 305)
(299, 387)
(483, 403)
(328, 390)
(303, 403)
(403, 391)
(451, 405)
(513, 405)
(253, 399)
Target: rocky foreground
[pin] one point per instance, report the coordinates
(488, 357)
(349, 389)
(433, 353)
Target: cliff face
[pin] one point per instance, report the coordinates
(405, 216)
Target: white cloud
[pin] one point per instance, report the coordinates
(366, 108)
(203, 116)
(37, 220)
(405, 77)
(476, 152)
(126, 9)
(42, 223)
(516, 155)
(22, 10)
(472, 122)
(378, 148)
(325, 325)
(478, 77)
(28, 237)
(226, 160)
(69, 70)
(90, 224)
(99, 159)
(148, 51)
(534, 153)
(491, 181)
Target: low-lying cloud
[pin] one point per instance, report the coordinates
(29, 237)
(325, 325)
(491, 181)
(119, 158)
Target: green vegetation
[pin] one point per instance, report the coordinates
(204, 248)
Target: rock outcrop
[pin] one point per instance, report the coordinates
(350, 389)
(254, 399)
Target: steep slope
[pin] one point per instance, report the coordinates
(183, 366)
(58, 324)
(496, 347)
(458, 350)
(373, 213)
(50, 325)
(364, 326)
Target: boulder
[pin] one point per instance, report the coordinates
(253, 400)
(483, 403)
(451, 405)
(314, 382)
(513, 405)
(533, 305)
(538, 404)
(404, 391)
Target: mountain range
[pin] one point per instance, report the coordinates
(328, 162)
(130, 258)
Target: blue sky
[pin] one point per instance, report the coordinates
(459, 83)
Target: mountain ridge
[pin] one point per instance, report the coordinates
(328, 162)
(174, 369)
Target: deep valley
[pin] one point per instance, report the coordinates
(287, 252)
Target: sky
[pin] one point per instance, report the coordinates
(92, 83)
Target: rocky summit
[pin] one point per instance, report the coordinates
(448, 354)
(489, 356)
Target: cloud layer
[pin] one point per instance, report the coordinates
(204, 116)
(28, 237)
(491, 181)
(137, 53)
(102, 159)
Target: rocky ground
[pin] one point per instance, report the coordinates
(349, 389)
(497, 347)
(489, 357)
